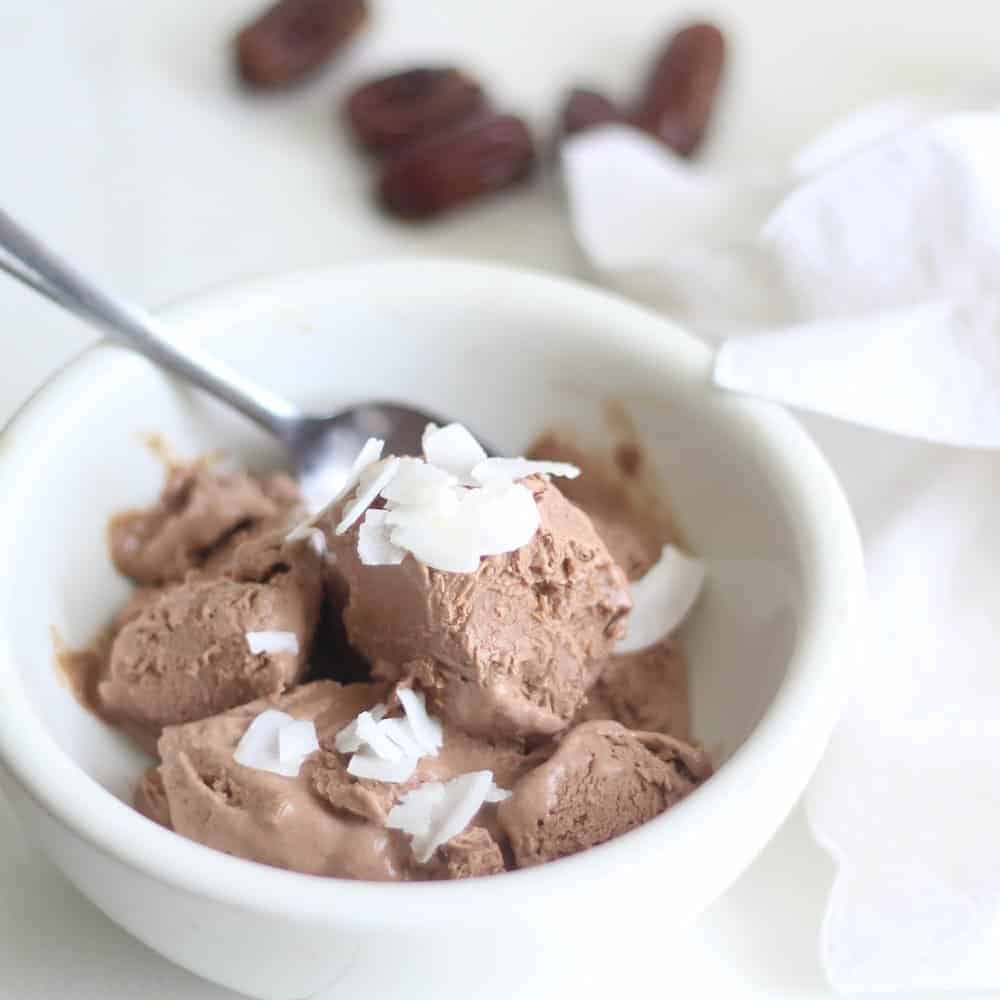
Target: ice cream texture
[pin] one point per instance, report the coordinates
(497, 725)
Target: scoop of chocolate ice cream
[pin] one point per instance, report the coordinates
(470, 854)
(151, 797)
(645, 690)
(504, 651)
(267, 817)
(198, 510)
(602, 781)
(184, 654)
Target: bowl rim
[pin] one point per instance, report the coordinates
(802, 712)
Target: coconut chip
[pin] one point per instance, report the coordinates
(504, 515)
(272, 642)
(450, 511)
(317, 541)
(434, 812)
(452, 449)
(389, 749)
(375, 548)
(368, 765)
(509, 470)
(276, 742)
(370, 488)
(370, 453)
(662, 599)
(297, 740)
(426, 729)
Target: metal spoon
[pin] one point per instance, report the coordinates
(322, 448)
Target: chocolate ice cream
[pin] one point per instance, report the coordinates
(310, 823)
(185, 654)
(504, 650)
(602, 781)
(645, 690)
(491, 720)
(198, 511)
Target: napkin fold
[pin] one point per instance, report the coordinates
(862, 281)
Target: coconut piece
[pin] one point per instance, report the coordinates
(297, 740)
(435, 812)
(369, 490)
(417, 483)
(504, 515)
(453, 449)
(367, 765)
(375, 548)
(662, 599)
(450, 543)
(396, 743)
(272, 642)
(263, 747)
(510, 470)
(426, 729)
(371, 452)
(317, 541)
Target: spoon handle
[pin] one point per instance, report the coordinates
(25, 258)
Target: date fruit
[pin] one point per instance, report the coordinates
(460, 164)
(294, 37)
(392, 111)
(680, 93)
(586, 109)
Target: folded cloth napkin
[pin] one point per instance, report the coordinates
(862, 282)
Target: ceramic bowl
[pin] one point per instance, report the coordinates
(771, 643)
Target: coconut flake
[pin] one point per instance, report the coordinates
(662, 599)
(418, 484)
(434, 813)
(297, 740)
(317, 541)
(371, 452)
(426, 729)
(504, 515)
(374, 545)
(510, 470)
(367, 494)
(367, 765)
(400, 733)
(452, 449)
(414, 812)
(349, 739)
(442, 542)
(265, 747)
(272, 642)
(389, 749)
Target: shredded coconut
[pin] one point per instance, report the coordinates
(370, 453)
(272, 642)
(435, 812)
(276, 742)
(509, 470)
(389, 749)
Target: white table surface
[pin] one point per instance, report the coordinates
(128, 146)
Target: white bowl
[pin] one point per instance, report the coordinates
(510, 353)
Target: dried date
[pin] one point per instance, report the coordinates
(455, 166)
(680, 93)
(587, 109)
(295, 37)
(395, 110)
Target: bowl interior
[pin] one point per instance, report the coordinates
(511, 359)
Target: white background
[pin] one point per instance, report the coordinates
(127, 144)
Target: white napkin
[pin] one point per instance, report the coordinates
(862, 281)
